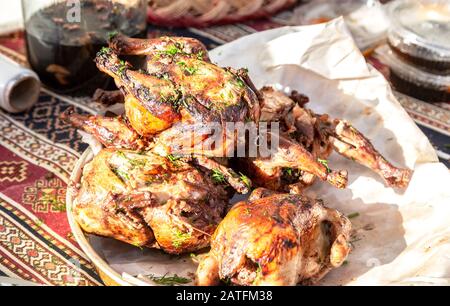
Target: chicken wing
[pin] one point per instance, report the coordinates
(112, 132)
(276, 239)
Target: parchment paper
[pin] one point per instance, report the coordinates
(400, 237)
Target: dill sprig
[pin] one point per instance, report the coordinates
(245, 180)
(104, 50)
(121, 174)
(174, 159)
(259, 272)
(218, 177)
(112, 34)
(123, 65)
(240, 82)
(200, 55)
(353, 215)
(171, 50)
(169, 280)
(180, 238)
(325, 163)
(189, 69)
(135, 162)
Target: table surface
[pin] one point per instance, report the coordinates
(38, 153)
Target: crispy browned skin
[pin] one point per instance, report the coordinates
(153, 93)
(277, 239)
(240, 183)
(293, 155)
(179, 86)
(112, 132)
(134, 46)
(313, 137)
(147, 200)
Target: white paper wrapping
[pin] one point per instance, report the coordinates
(401, 237)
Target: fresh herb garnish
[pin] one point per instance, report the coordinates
(138, 246)
(180, 238)
(135, 162)
(174, 159)
(218, 177)
(169, 280)
(258, 272)
(112, 34)
(171, 50)
(189, 69)
(121, 174)
(353, 215)
(200, 55)
(325, 163)
(240, 82)
(123, 65)
(104, 50)
(245, 180)
(259, 269)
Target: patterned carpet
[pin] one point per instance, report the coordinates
(38, 152)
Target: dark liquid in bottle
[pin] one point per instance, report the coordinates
(62, 51)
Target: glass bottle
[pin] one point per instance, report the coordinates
(63, 37)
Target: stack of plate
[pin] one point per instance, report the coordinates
(418, 51)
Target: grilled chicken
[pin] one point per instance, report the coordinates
(317, 136)
(149, 201)
(180, 99)
(179, 91)
(160, 184)
(276, 239)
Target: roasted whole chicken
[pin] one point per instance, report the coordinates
(179, 92)
(149, 201)
(276, 239)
